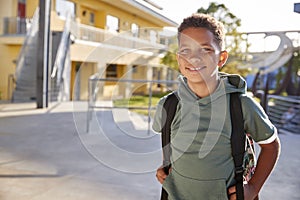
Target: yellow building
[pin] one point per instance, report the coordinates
(108, 39)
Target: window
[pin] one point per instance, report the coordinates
(22, 8)
(153, 36)
(111, 71)
(112, 23)
(64, 7)
(134, 69)
(156, 74)
(135, 30)
(92, 18)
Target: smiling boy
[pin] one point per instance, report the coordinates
(202, 164)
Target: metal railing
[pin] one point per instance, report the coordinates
(62, 60)
(93, 93)
(10, 85)
(15, 25)
(59, 62)
(32, 31)
(93, 34)
(278, 105)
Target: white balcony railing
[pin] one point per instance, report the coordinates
(125, 40)
(15, 25)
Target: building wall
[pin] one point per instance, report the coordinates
(101, 10)
(139, 73)
(10, 46)
(80, 74)
(31, 6)
(75, 66)
(86, 70)
(7, 67)
(8, 8)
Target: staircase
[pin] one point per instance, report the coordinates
(26, 65)
(60, 72)
(26, 77)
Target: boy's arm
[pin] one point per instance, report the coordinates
(268, 156)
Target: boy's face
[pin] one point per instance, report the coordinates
(199, 56)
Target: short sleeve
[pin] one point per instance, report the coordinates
(257, 122)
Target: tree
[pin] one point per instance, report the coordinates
(234, 39)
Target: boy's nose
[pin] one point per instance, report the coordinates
(196, 58)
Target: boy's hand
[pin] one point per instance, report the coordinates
(161, 175)
(249, 193)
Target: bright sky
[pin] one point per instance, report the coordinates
(256, 15)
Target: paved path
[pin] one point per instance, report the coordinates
(47, 154)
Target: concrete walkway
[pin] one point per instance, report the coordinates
(47, 154)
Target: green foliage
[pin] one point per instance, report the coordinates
(294, 88)
(170, 57)
(222, 13)
(232, 68)
(234, 39)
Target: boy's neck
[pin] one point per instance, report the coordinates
(203, 89)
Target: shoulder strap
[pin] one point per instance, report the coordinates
(237, 142)
(168, 114)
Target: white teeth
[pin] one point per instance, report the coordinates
(195, 69)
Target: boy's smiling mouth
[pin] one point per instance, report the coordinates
(195, 68)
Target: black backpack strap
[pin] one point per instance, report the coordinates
(237, 142)
(168, 113)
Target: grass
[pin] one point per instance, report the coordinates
(138, 101)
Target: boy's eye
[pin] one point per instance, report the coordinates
(184, 51)
(187, 51)
(207, 50)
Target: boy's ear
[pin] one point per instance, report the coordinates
(178, 62)
(177, 59)
(223, 58)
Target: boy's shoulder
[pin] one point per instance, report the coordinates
(249, 102)
(169, 96)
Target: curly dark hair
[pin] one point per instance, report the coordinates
(200, 20)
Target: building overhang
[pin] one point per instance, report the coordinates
(100, 53)
(12, 39)
(138, 9)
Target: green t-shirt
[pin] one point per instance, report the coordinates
(202, 165)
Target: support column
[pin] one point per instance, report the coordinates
(149, 76)
(128, 87)
(43, 54)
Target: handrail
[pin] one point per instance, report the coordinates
(10, 85)
(28, 39)
(278, 105)
(289, 99)
(15, 25)
(59, 62)
(92, 95)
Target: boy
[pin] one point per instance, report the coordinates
(202, 164)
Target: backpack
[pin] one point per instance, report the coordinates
(241, 143)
